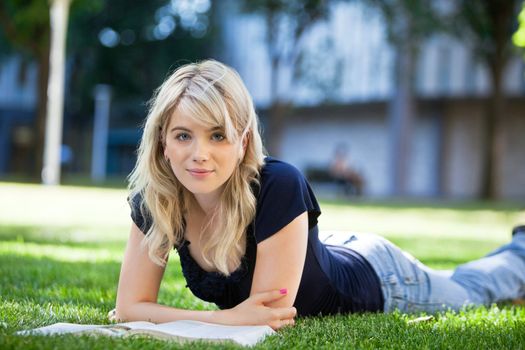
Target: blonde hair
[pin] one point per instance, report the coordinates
(212, 94)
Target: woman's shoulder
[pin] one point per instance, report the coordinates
(277, 169)
(284, 194)
(282, 181)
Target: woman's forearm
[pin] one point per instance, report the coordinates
(157, 313)
(252, 311)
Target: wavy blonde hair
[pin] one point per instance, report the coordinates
(212, 94)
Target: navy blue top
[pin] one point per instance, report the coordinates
(335, 279)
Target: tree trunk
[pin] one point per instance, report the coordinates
(500, 17)
(277, 115)
(401, 115)
(41, 110)
(493, 143)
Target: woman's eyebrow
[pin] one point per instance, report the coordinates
(175, 128)
(182, 128)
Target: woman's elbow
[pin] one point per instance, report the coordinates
(122, 312)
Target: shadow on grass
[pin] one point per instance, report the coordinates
(38, 291)
(45, 280)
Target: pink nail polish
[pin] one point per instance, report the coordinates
(283, 291)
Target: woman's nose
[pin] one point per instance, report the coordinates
(200, 151)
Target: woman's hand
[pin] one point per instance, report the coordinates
(253, 311)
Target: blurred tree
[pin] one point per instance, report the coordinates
(131, 47)
(487, 26)
(408, 24)
(26, 31)
(287, 22)
(26, 27)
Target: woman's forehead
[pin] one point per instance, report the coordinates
(187, 119)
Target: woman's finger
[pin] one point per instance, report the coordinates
(278, 324)
(286, 312)
(288, 323)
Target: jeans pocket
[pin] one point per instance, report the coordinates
(394, 292)
(406, 266)
(406, 283)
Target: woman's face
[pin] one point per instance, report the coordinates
(201, 158)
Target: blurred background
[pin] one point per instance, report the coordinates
(371, 98)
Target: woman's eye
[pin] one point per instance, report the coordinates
(182, 136)
(218, 137)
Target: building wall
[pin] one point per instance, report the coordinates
(18, 84)
(442, 163)
(310, 140)
(350, 53)
(463, 145)
(513, 162)
(424, 164)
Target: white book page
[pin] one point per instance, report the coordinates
(245, 335)
(135, 325)
(59, 328)
(63, 328)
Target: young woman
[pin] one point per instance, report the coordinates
(245, 226)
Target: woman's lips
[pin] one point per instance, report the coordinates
(200, 173)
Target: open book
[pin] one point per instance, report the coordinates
(177, 330)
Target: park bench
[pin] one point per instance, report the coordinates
(322, 175)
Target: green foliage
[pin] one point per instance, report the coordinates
(519, 37)
(487, 26)
(25, 24)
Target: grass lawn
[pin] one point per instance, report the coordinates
(60, 252)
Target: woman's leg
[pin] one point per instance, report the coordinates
(498, 276)
(410, 286)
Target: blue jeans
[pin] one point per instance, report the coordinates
(410, 286)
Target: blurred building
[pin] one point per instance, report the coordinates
(351, 50)
(17, 106)
(341, 98)
(18, 99)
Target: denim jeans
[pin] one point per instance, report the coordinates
(410, 286)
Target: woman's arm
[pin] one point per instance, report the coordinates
(280, 261)
(139, 285)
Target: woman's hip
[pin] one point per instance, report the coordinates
(406, 283)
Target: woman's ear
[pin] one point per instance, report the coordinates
(245, 140)
(244, 145)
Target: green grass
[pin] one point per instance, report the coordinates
(60, 253)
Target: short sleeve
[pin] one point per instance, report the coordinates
(139, 213)
(284, 194)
